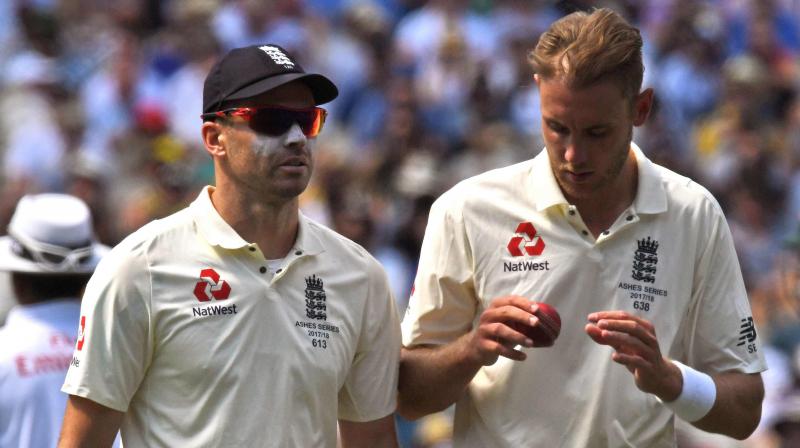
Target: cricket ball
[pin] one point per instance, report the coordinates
(544, 333)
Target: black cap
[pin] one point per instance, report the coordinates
(249, 71)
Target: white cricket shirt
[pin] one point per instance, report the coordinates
(187, 331)
(669, 258)
(36, 346)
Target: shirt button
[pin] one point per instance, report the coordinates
(262, 269)
(299, 252)
(629, 218)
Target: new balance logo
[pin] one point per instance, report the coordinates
(527, 240)
(747, 332)
(210, 286)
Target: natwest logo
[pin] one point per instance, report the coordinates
(527, 240)
(81, 333)
(210, 286)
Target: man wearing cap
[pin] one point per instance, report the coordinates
(238, 321)
(50, 253)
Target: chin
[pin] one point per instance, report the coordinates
(289, 191)
(582, 191)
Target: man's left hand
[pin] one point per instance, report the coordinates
(636, 347)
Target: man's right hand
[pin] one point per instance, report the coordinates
(495, 334)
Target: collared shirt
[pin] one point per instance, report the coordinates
(668, 258)
(187, 331)
(36, 346)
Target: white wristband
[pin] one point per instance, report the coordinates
(697, 396)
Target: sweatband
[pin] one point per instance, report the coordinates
(697, 396)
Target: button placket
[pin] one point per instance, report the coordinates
(293, 257)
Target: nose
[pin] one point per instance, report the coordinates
(295, 137)
(575, 153)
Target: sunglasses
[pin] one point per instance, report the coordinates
(275, 121)
(51, 257)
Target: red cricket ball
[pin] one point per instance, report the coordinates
(544, 334)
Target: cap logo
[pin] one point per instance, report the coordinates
(277, 56)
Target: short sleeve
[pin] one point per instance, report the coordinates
(114, 345)
(443, 303)
(370, 388)
(722, 334)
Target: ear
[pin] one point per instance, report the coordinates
(641, 107)
(213, 139)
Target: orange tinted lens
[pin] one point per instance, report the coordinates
(315, 125)
(275, 121)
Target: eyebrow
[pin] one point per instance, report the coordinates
(551, 121)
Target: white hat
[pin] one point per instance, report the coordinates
(50, 234)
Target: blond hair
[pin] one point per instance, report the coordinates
(582, 49)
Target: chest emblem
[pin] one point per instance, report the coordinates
(526, 239)
(315, 298)
(644, 260)
(210, 286)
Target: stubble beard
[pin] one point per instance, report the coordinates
(601, 186)
(273, 183)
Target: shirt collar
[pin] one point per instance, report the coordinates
(217, 232)
(543, 183)
(651, 195)
(212, 227)
(308, 240)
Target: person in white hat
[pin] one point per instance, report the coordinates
(50, 252)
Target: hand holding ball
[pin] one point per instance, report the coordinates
(544, 333)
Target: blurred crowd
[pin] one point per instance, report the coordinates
(102, 100)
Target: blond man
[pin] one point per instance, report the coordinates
(637, 259)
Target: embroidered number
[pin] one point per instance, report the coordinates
(644, 306)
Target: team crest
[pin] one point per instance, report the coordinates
(644, 261)
(315, 298)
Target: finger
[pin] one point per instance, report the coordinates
(607, 337)
(597, 315)
(619, 315)
(508, 313)
(510, 336)
(515, 301)
(623, 342)
(595, 333)
(510, 353)
(632, 362)
(646, 334)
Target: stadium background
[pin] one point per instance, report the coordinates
(101, 99)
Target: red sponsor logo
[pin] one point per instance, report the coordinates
(526, 241)
(81, 332)
(40, 364)
(210, 286)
